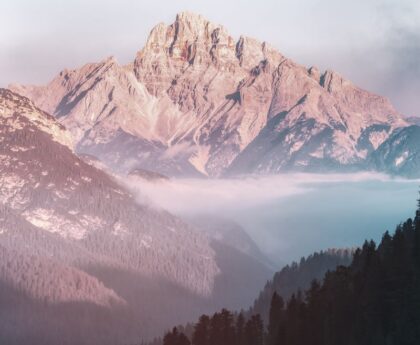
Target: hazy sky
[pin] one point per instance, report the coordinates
(375, 43)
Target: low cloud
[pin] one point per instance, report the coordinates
(195, 196)
(291, 215)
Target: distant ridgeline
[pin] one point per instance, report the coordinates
(373, 301)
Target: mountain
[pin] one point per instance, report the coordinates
(56, 191)
(196, 102)
(399, 154)
(229, 232)
(80, 253)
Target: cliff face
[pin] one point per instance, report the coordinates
(195, 101)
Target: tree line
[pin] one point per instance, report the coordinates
(373, 301)
(223, 328)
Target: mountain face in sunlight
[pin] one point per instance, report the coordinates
(197, 102)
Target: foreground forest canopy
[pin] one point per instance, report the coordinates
(374, 301)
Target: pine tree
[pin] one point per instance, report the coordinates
(201, 335)
(254, 331)
(240, 329)
(417, 218)
(275, 318)
(228, 327)
(175, 338)
(171, 338)
(183, 340)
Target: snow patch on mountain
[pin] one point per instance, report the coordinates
(399, 160)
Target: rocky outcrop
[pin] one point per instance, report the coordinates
(197, 102)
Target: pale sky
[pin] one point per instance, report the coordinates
(374, 43)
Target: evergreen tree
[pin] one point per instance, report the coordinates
(222, 329)
(275, 318)
(254, 331)
(201, 335)
(175, 338)
(240, 329)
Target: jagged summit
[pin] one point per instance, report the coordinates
(192, 38)
(192, 18)
(196, 101)
(190, 41)
(195, 24)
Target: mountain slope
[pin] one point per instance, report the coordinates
(64, 283)
(57, 192)
(195, 101)
(230, 233)
(129, 269)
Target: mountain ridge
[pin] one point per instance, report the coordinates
(196, 102)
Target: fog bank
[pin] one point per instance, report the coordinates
(292, 215)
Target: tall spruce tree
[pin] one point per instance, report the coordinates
(275, 318)
(240, 329)
(254, 331)
(175, 337)
(201, 335)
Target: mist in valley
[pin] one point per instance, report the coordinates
(291, 215)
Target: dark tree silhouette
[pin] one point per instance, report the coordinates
(373, 301)
(254, 331)
(202, 331)
(275, 317)
(175, 338)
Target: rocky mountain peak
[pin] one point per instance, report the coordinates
(194, 100)
(193, 24)
(190, 18)
(186, 36)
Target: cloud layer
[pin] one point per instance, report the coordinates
(292, 215)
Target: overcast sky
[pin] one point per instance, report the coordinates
(375, 43)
